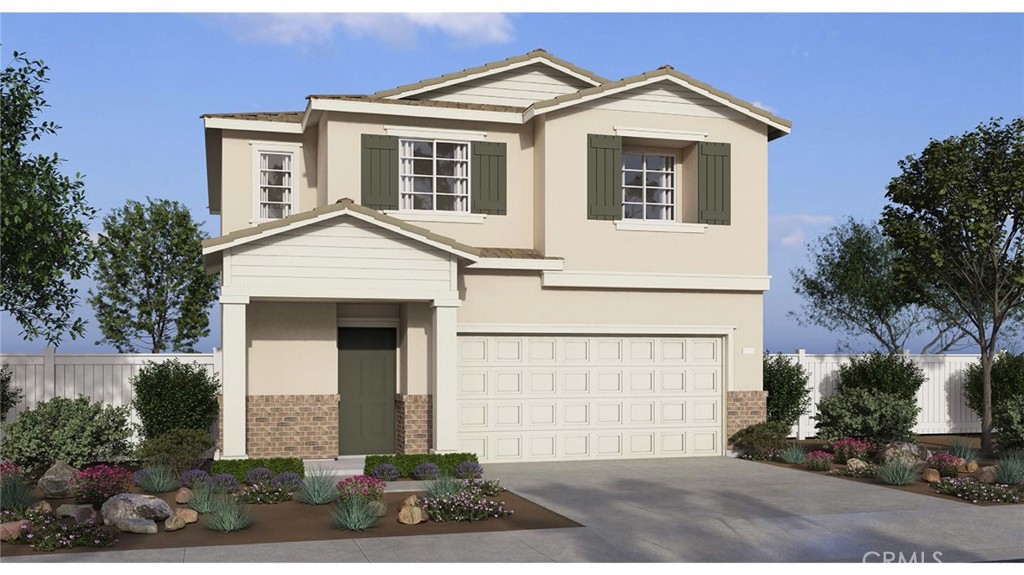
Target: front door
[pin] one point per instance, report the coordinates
(366, 384)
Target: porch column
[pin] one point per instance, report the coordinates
(443, 382)
(234, 377)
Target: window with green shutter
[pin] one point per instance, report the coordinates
(604, 177)
(489, 178)
(380, 172)
(714, 184)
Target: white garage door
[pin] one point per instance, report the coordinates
(544, 397)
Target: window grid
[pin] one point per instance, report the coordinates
(434, 175)
(276, 185)
(648, 187)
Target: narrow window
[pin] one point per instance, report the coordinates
(276, 193)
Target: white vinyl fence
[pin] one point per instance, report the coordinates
(100, 377)
(941, 398)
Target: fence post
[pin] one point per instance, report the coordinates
(49, 373)
(801, 428)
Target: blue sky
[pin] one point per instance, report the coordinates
(862, 91)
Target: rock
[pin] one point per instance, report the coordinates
(187, 515)
(134, 506)
(12, 530)
(379, 508)
(82, 514)
(410, 501)
(174, 523)
(143, 526)
(855, 464)
(43, 506)
(986, 474)
(56, 482)
(969, 467)
(410, 515)
(184, 495)
(931, 475)
(912, 453)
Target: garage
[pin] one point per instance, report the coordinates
(569, 397)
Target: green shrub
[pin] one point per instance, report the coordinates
(444, 486)
(964, 450)
(896, 472)
(446, 462)
(160, 479)
(179, 449)
(883, 373)
(863, 414)
(15, 493)
(1007, 382)
(319, 487)
(786, 384)
(794, 454)
(1010, 469)
(762, 440)
(172, 395)
(228, 514)
(354, 513)
(75, 431)
(203, 498)
(240, 467)
(9, 396)
(1008, 423)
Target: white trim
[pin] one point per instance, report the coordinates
(660, 134)
(232, 298)
(253, 125)
(414, 111)
(645, 329)
(518, 264)
(630, 280)
(293, 149)
(333, 294)
(660, 226)
(433, 133)
(437, 216)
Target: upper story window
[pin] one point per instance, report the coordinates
(648, 186)
(276, 180)
(434, 175)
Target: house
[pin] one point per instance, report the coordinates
(522, 259)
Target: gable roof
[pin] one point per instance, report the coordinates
(291, 117)
(425, 103)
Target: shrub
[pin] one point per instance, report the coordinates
(818, 460)
(463, 506)
(896, 472)
(446, 462)
(487, 487)
(1007, 382)
(849, 448)
(101, 482)
(203, 498)
(318, 488)
(971, 490)
(872, 416)
(1008, 423)
(1010, 468)
(964, 450)
(228, 514)
(75, 431)
(469, 470)
(259, 475)
(9, 395)
(265, 493)
(426, 470)
(442, 487)
(49, 533)
(793, 454)
(239, 467)
(945, 463)
(761, 441)
(786, 384)
(180, 449)
(287, 481)
(15, 489)
(385, 472)
(354, 513)
(172, 395)
(224, 483)
(883, 373)
(193, 478)
(361, 485)
(869, 470)
(159, 479)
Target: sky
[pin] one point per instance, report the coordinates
(862, 91)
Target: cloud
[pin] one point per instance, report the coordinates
(788, 230)
(400, 29)
(763, 106)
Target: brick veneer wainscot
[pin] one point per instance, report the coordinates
(289, 426)
(413, 424)
(743, 408)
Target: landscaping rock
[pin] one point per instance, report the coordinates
(986, 474)
(12, 530)
(174, 523)
(410, 501)
(969, 467)
(410, 515)
(56, 482)
(855, 464)
(379, 508)
(912, 453)
(931, 475)
(142, 526)
(187, 515)
(183, 496)
(134, 506)
(82, 514)
(43, 506)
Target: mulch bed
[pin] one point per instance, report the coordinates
(292, 521)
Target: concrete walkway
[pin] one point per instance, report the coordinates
(706, 509)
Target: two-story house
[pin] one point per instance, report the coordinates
(523, 259)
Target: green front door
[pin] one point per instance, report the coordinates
(366, 384)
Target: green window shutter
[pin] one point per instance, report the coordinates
(380, 172)
(714, 184)
(604, 177)
(488, 182)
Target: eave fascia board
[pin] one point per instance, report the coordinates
(527, 264)
(655, 281)
(253, 125)
(382, 108)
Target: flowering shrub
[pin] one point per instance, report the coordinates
(9, 469)
(361, 485)
(850, 448)
(818, 460)
(976, 492)
(195, 477)
(265, 493)
(487, 487)
(469, 470)
(945, 463)
(47, 532)
(99, 483)
(426, 470)
(259, 475)
(224, 482)
(385, 472)
(287, 481)
(869, 470)
(464, 506)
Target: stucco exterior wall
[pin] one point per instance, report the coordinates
(293, 348)
(414, 349)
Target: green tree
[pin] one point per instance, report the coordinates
(152, 292)
(785, 380)
(44, 233)
(851, 287)
(956, 218)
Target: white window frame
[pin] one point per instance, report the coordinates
(667, 153)
(434, 176)
(259, 148)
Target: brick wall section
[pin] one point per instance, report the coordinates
(744, 408)
(290, 426)
(413, 424)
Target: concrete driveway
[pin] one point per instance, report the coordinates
(706, 509)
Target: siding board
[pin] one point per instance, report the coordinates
(520, 87)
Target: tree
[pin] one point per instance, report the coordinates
(44, 233)
(151, 289)
(956, 219)
(851, 287)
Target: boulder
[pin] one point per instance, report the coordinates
(41, 506)
(187, 515)
(142, 526)
(183, 496)
(12, 530)
(134, 506)
(969, 467)
(855, 464)
(912, 453)
(410, 515)
(410, 501)
(56, 482)
(379, 508)
(82, 514)
(174, 523)
(931, 475)
(986, 474)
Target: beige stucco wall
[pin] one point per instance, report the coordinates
(292, 347)
(414, 348)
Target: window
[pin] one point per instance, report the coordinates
(275, 177)
(648, 186)
(434, 175)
